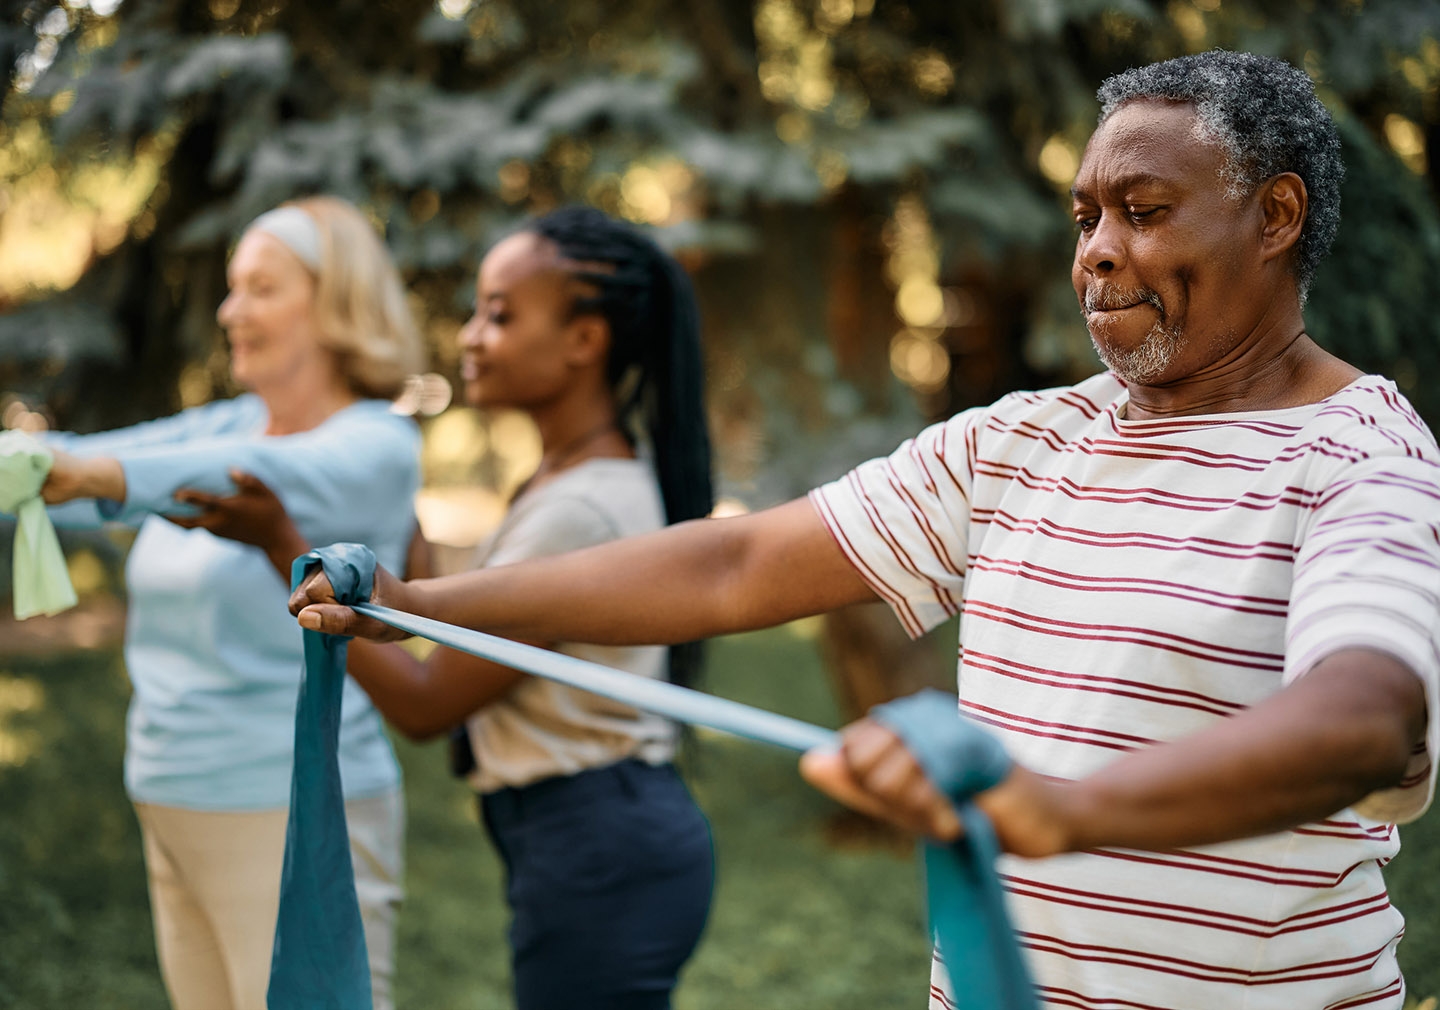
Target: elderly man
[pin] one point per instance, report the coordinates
(1200, 592)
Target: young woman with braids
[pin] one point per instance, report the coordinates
(586, 326)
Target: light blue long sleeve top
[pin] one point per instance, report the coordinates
(214, 656)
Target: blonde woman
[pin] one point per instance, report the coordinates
(321, 340)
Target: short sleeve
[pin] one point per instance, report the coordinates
(1367, 576)
(553, 524)
(903, 521)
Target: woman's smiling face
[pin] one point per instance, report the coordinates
(513, 350)
(269, 314)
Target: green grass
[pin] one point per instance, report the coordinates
(1414, 882)
(796, 923)
(809, 912)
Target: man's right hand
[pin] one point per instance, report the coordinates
(315, 607)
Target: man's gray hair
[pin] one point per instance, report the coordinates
(1264, 114)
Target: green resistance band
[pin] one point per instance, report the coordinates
(41, 578)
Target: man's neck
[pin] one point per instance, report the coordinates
(1276, 367)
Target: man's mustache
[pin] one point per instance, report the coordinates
(1101, 298)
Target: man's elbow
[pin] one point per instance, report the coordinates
(1390, 723)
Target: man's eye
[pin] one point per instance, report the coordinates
(1086, 224)
(1141, 213)
(498, 318)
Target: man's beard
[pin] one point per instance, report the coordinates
(1157, 350)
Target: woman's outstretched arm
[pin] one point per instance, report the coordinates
(421, 698)
(693, 580)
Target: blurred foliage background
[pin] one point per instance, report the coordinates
(871, 197)
(870, 194)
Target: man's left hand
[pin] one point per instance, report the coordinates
(874, 772)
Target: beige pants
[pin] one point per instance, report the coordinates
(215, 895)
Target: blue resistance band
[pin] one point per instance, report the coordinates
(966, 902)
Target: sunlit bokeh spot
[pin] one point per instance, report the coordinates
(1188, 20)
(832, 15)
(473, 461)
(727, 508)
(195, 384)
(18, 695)
(453, 441)
(917, 357)
(807, 629)
(832, 168)
(797, 62)
(793, 127)
(1407, 140)
(919, 302)
(919, 361)
(815, 85)
(646, 198)
(514, 179)
(1059, 161)
(87, 572)
(17, 416)
(514, 436)
(458, 516)
(52, 225)
(429, 394)
(931, 72)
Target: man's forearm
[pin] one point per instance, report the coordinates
(690, 581)
(1343, 731)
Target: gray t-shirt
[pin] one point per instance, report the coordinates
(540, 729)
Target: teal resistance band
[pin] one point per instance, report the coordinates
(966, 902)
(319, 960)
(965, 899)
(658, 696)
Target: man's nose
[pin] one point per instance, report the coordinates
(1102, 250)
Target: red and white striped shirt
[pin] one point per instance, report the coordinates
(1123, 583)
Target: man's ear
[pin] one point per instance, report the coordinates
(588, 340)
(1284, 203)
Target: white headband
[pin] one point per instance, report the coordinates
(296, 229)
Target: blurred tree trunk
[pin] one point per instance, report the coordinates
(871, 659)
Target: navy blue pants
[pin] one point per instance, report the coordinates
(609, 880)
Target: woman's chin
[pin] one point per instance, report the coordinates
(243, 376)
(474, 393)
